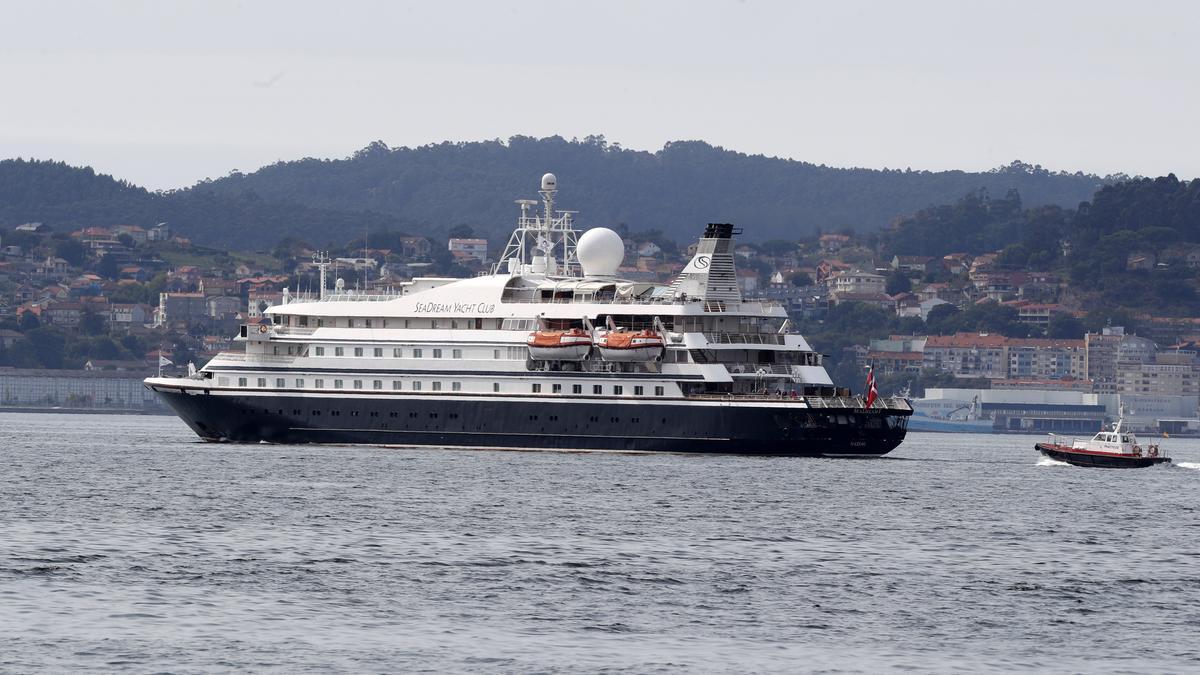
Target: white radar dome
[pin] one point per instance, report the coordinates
(600, 252)
(549, 182)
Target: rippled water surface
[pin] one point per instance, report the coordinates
(126, 544)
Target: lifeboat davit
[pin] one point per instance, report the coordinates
(620, 345)
(559, 345)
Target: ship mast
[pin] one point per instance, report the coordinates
(542, 244)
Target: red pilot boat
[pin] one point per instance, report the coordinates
(1115, 449)
(573, 344)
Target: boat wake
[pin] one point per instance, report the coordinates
(1046, 461)
(1188, 465)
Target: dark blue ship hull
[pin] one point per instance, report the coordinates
(771, 428)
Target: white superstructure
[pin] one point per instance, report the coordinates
(470, 335)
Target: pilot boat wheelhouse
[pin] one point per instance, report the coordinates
(551, 350)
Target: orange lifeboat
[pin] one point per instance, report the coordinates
(559, 345)
(620, 345)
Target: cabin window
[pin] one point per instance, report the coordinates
(597, 389)
(358, 384)
(556, 388)
(437, 386)
(320, 323)
(319, 383)
(302, 321)
(358, 351)
(437, 353)
(433, 323)
(241, 381)
(495, 354)
(577, 389)
(379, 352)
(537, 388)
(299, 382)
(416, 386)
(262, 381)
(349, 323)
(320, 351)
(454, 324)
(496, 386)
(368, 323)
(658, 391)
(456, 353)
(396, 384)
(637, 390)
(618, 390)
(378, 384)
(275, 350)
(337, 384)
(280, 383)
(456, 386)
(290, 350)
(339, 351)
(1124, 439)
(397, 353)
(416, 353)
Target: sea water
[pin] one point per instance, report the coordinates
(126, 544)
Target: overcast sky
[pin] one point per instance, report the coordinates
(168, 93)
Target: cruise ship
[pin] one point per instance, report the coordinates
(551, 350)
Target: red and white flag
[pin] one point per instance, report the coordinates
(872, 392)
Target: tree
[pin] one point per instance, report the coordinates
(108, 267)
(462, 232)
(898, 282)
(29, 321)
(70, 250)
(1064, 326)
(943, 320)
(801, 279)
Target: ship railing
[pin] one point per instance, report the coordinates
(251, 358)
(814, 402)
(723, 338)
(293, 330)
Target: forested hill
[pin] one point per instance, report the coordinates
(428, 190)
(67, 197)
(676, 189)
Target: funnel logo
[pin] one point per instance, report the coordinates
(698, 264)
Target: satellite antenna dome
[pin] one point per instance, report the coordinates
(600, 252)
(549, 182)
